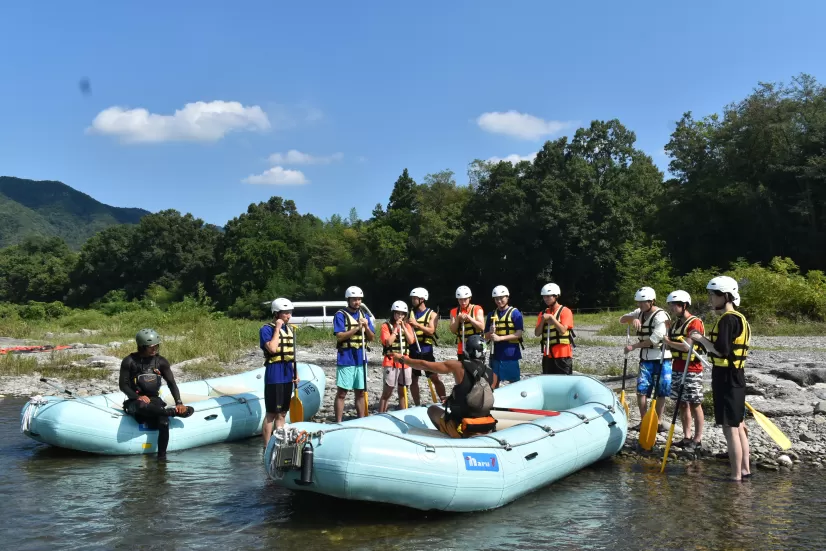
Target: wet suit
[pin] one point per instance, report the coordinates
(155, 414)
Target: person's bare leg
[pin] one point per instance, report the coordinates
(744, 446)
(735, 450)
(266, 429)
(699, 422)
(360, 411)
(385, 398)
(338, 406)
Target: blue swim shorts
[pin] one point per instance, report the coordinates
(648, 371)
(506, 370)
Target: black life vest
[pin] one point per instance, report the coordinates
(145, 379)
(473, 397)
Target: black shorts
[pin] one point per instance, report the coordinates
(277, 397)
(728, 386)
(426, 356)
(557, 366)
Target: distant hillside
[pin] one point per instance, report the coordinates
(29, 207)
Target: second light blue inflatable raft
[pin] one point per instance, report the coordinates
(226, 408)
(373, 457)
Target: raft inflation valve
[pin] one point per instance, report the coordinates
(306, 465)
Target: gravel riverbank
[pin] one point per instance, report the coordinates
(786, 381)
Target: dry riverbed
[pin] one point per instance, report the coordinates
(786, 379)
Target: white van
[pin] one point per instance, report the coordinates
(320, 313)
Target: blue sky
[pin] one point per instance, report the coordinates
(197, 105)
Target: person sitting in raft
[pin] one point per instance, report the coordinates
(277, 340)
(396, 336)
(141, 375)
(467, 409)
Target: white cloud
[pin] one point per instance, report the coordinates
(278, 176)
(199, 121)
(519, 125)
(294, 157)
(513, 159)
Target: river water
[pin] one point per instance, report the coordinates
(219, 497)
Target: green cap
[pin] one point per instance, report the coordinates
(147, 337)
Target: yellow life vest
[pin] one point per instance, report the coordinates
(286, 346)
(740, 347)
(469, 328)
(423, 339)
(396, 346)
(550, 329)
(504, 324)
(678, 333)
(354, 341)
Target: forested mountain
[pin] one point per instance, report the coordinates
(53, 209)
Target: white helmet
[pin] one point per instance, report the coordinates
(550, 289)
(463, 292)
(645, 293)
(420, 292)
(725, 284)
(399, 306)
(500, 291)
(679, 296)
(353, 292)
(281, 305)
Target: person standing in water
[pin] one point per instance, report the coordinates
(728, 346)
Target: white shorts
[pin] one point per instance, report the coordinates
(398, 376)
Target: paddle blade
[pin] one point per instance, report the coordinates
(625, 405)
(433, 395)
(667, 447)
(770, 428)
(296, 408)
(648, 427)
(366, 408)
(404, 399)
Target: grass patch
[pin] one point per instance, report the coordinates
(16, 365)
(610, 371)
(204, 370)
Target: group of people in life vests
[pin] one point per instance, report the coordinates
(665, 346)
(408, 338)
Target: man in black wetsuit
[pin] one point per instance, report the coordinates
(467, 409)
(141, 375)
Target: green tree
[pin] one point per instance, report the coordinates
(35, 270)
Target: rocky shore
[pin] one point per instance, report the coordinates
(786, 381)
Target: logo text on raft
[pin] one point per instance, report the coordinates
(480, 462)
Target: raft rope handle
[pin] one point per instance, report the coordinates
(503, 444)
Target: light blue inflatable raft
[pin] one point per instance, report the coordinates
(374, 457)
(226, 408)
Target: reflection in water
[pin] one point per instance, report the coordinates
(218, 496)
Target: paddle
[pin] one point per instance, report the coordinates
(296, 407)
(677, 405)
(364, 367)
(651, 421)
(770, 428)
(624, 371)
(403, 398)
(545, 412)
